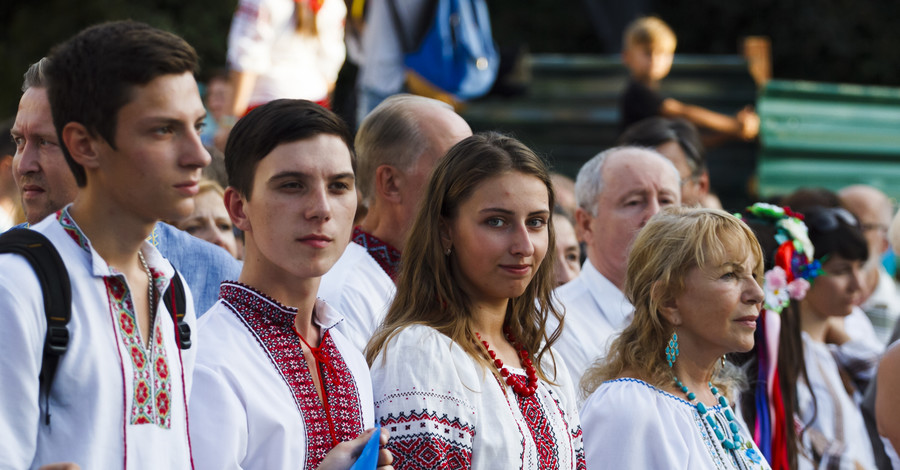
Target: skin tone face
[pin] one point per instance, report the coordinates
(153, 171)
(210, 221)
(649, 64)
(834, 293)
(717, 311)
(300, 213)
(568, 252)
(218, 96)
(499, 238)
(44, 180)
(636, 185)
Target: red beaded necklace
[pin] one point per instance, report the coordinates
(524, 387)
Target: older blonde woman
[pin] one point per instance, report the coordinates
(660, 399)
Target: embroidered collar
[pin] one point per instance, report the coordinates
(243, 297)
(384, 254)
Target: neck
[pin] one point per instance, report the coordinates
(488, 320)
(287, 289)
(695, 373)
(614, 275)
(871, 282)
(813, 324)
(117, 247)
(380, 223)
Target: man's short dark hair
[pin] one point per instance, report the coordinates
(35, 76)
(656, 131)
(91, 75)
(272, 124)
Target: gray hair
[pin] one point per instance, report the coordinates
(390, 135)
(589, 182)
(35, 76)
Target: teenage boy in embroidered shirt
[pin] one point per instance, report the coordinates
(276, 385)
(127, 114)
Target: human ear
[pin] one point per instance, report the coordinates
(668, 305)
(582, 225)
(387, 183)
(234, 203)
(82, 146)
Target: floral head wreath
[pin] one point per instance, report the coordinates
(794, 264)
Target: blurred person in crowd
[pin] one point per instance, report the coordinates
(617, 191)
(568, 250)
(679, 141)
(881, 297)
(694, 277)
(564, 187)
(210, 221)
(283, 49)
(217, 101)
(10, 207)
(648, 54)
(462, 367)
(398, 144)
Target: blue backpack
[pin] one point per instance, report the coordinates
(452, 48)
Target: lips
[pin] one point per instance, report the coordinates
(32, 190)
(517, 269)
(748, 320)
(188, 188)
(316, 240)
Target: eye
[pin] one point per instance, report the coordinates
(163, 130)
(494, 222)
(537, 222)
(225, 227)
(340, 186)
(19, 141)
(291, 185)
(45, 142)
(199, 127)
(572, 256)
(729, 276)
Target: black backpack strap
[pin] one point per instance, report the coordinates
(174, 299)
(54, 278)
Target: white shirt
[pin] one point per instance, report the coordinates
(595, 311)
(838, 433)
(263, 40)
(254, 404)
(883, 306)
(629, 423)
(444, 410)
(359, 288)
(114, 402)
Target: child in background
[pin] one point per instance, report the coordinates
(649, 50)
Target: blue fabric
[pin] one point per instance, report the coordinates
(202, 265)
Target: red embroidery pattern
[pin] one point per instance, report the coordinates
(69, 226)
(151, 398)
(272, 325)
(423, 440)
(384, 254)
(543, 433)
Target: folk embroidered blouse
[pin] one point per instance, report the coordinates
(446, 411)
(629, 423)
(116, 402)
(254, 404)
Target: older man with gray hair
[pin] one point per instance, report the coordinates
(397, 144)
(617, 192)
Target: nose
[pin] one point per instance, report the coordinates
(28, 159)
(857, 279)
(653, 207)
(521, 243)
(754, 294)
(319, 206)
(194, 154)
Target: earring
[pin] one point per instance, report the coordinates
(447, 252)
(672, 349)
(723, 360)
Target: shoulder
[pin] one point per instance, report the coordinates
(355, 270)
(632, 399)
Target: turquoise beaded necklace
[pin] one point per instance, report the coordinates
(736, 442)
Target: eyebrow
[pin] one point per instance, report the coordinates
(509, 212)
(302, 175)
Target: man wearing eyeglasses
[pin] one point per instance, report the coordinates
(874, 211)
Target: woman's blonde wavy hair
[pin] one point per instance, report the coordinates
(428, 293)
(666, 249)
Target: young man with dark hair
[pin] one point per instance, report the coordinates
(127, 113)
(276, 385)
